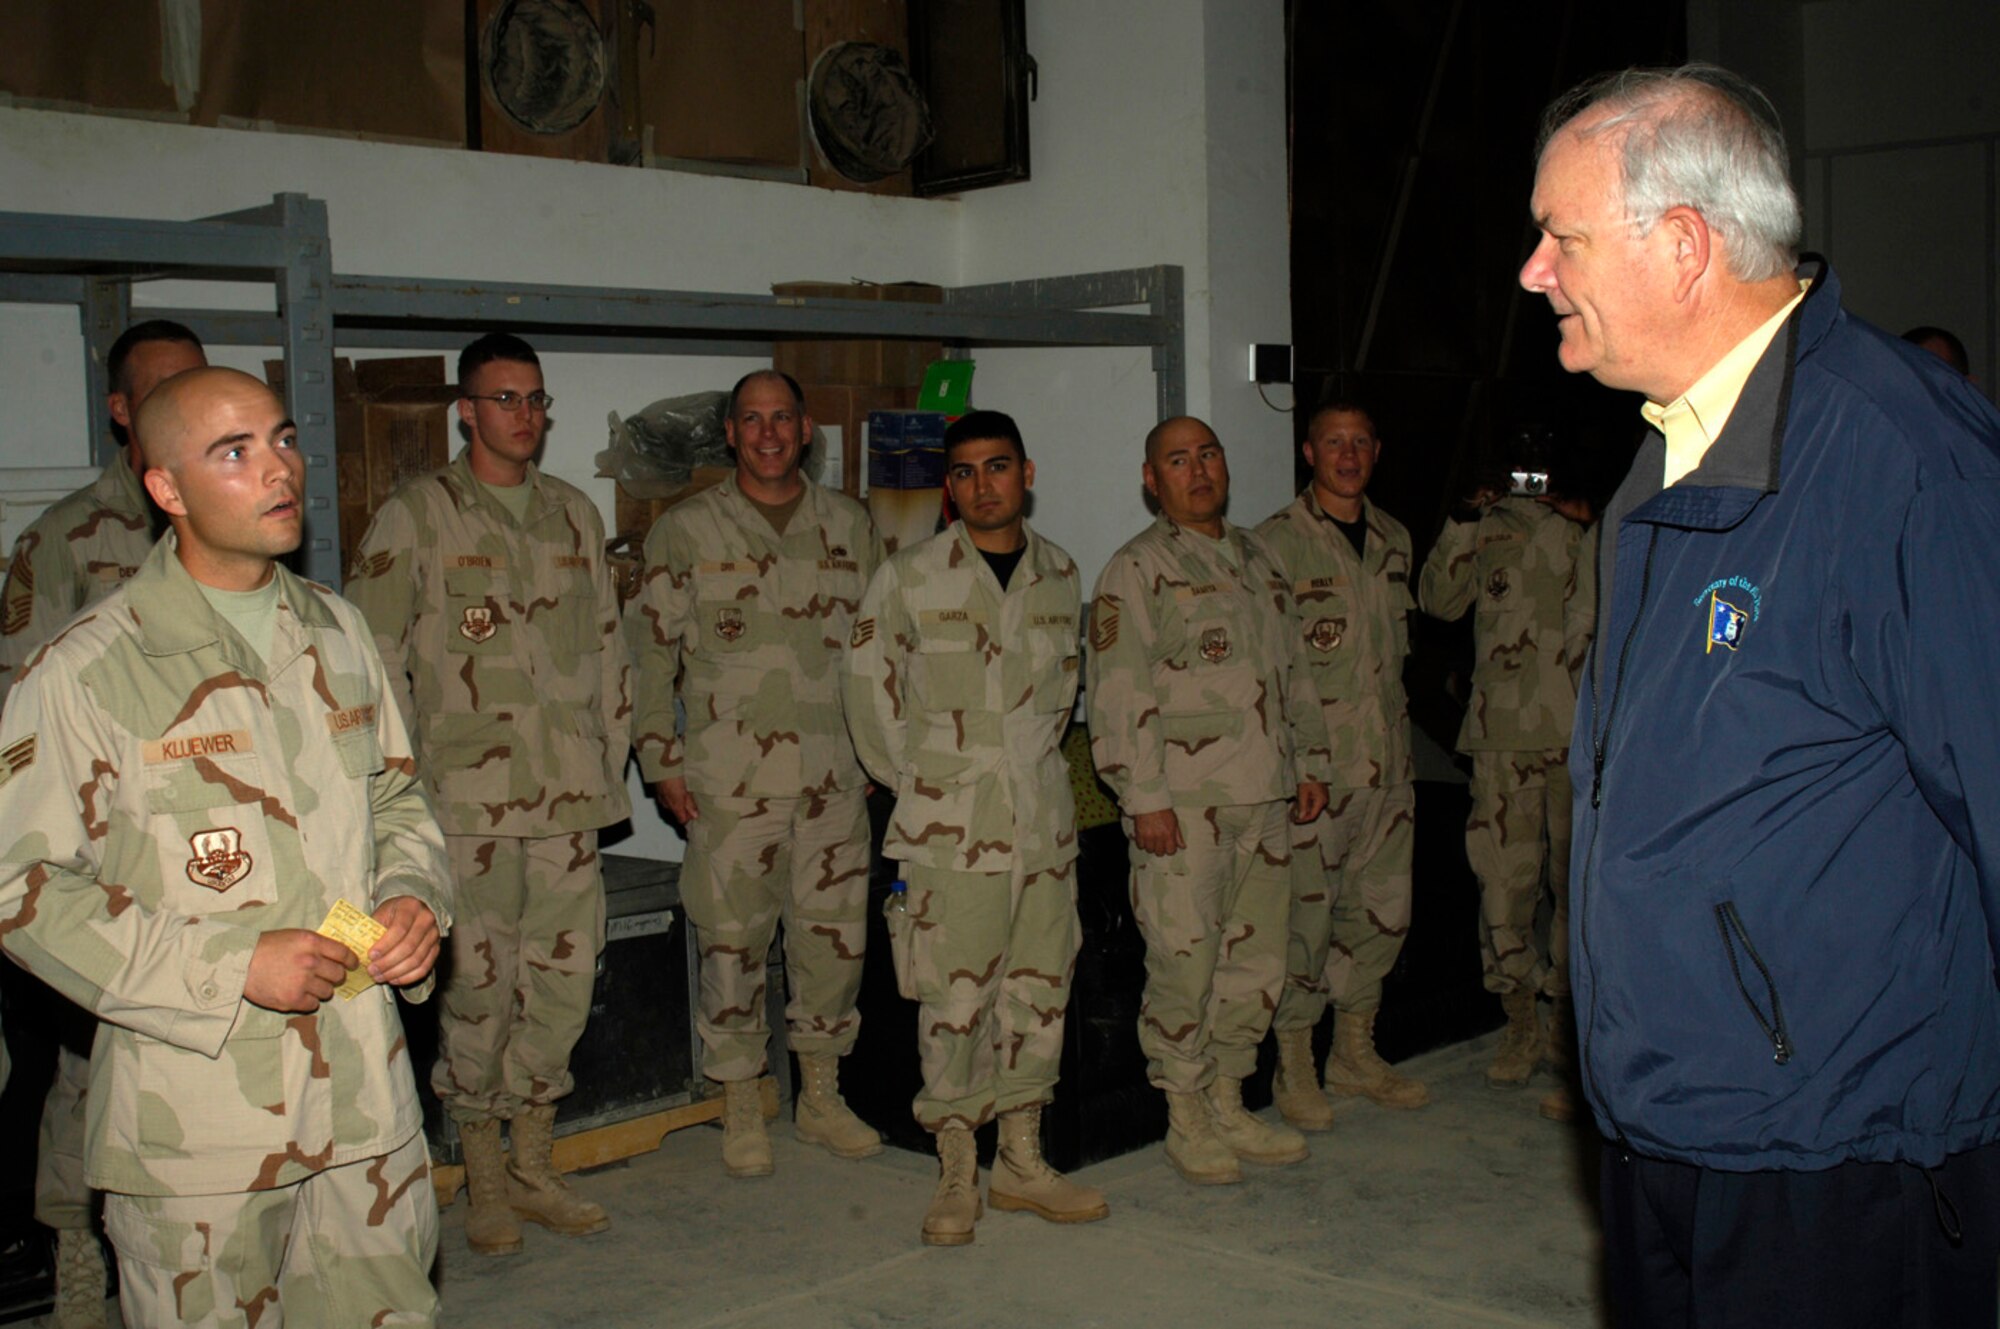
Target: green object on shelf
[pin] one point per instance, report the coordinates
(947, 387)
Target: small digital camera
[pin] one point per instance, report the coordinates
(1528, 484)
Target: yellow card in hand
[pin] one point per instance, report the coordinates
(359, 933)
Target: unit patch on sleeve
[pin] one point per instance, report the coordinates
(18, 757)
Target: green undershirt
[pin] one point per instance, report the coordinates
(514, 498)
(254, 614)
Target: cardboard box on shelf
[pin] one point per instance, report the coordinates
(391, 423)
(856, 361)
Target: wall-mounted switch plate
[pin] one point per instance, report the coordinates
(1270, 363)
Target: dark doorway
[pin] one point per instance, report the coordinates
(1412, 139)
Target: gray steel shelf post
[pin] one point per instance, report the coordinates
(106, 312)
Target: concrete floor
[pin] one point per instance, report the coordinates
(1471, 1212)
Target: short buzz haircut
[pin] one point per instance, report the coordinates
(1954, 349)
(974, 426)
(139, 334)
(1700, 137)
(798, 393)
(1342, 408)
(491, 347)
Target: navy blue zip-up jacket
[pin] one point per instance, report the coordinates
(1786, 912)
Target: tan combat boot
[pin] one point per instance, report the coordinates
(1559, 1105)
(1247, 1136)
(746, 1144)
(1021, 1180)
(79, 1280)
(537, 1190)
(490, 1226)
(1295, 1086)
(1520, 1049)
(1354, 1067)
(1561, 1049)
(955, 1207)
(1193, 1147)
(824, 1118)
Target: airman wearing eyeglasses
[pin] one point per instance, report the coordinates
(486, 587)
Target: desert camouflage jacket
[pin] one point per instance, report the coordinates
(958, 694)
(1352, 617)
(1529, 573)
(1198, 689)
(84, 547)
(746, 628)
(168, 798)
(503, 650)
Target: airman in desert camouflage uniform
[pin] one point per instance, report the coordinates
(1203, 722)
(1348, 565)
(192, 774)
(486, 585)
(750, 592)
(1528, 572)
(960, 683)
(84, 547)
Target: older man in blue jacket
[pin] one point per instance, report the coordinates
(1787, 759)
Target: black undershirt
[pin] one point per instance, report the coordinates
(1003, 565)
(1355, 531)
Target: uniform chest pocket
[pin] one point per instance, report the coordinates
(840, 584)
(478, 612)
(948, 668)
(728, 599)
(209, 826)
(360, 753)
(571, 625)
(1221, 668)
(1054, 653)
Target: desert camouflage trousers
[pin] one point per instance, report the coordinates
(524, 947)
(753, 863)
(1213, 917)
(1517, 838)
(352, 1245)
(993, 954)
(62, 1196)
(1350, 903)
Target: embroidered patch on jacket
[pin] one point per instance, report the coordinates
(1727, 619)
(1725, 623)
(864, 632)
(223, 743)
(1103, 627)
(839, 565)
(354, 717)
(729, 623)
(18, 757)
(478, 624)
(20, 606)
(1497, 585)
(219, 860)
(838, 551)
(1325, 634)
(490, 562)
(572, 563)
(1215, 645)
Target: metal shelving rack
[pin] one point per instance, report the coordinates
(91, 262)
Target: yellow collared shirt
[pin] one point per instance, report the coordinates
(1695, 419)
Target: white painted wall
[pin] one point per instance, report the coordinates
(1158, 138)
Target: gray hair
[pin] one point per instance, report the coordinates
(1698, 137)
